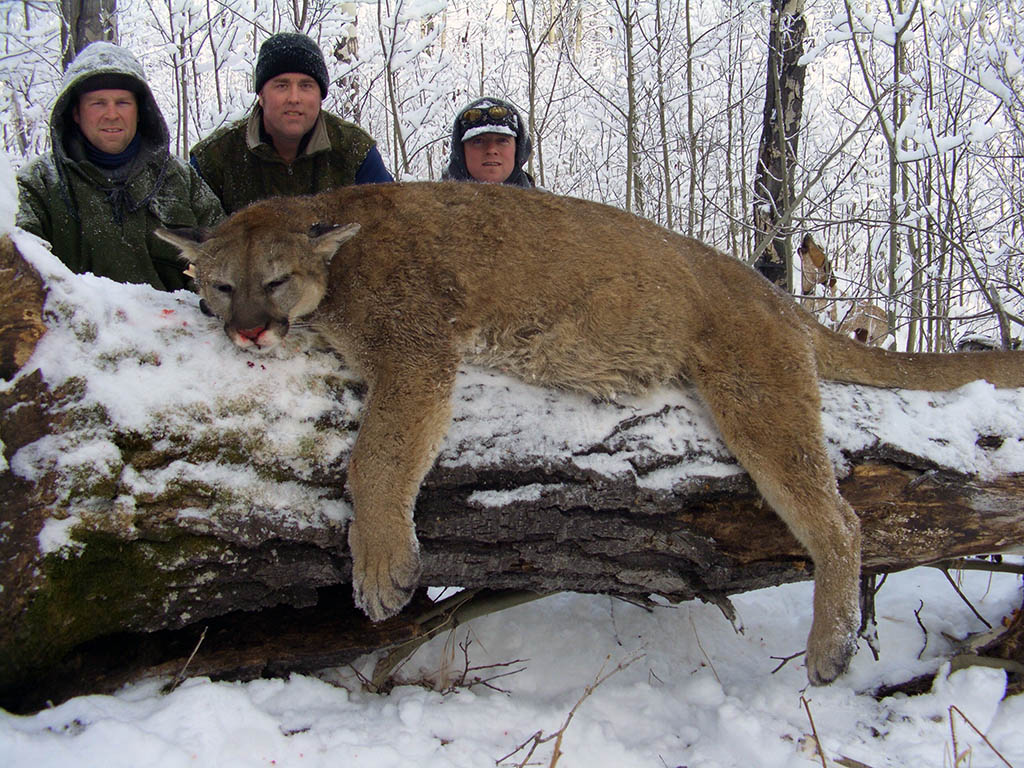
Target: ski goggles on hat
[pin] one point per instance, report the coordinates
(496, 115)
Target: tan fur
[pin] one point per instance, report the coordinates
(564, 293)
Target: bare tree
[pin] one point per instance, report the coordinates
(388, 35)
(409, 46)
(661, 35)
(538, 28)
(346, 51)
(937, 222)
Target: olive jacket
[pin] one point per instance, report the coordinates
(102, 220)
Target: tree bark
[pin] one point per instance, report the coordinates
(149, 566)
(776, 163)
(86, 21)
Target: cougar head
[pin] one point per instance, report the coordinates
(258, 275)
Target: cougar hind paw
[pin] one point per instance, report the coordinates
(828, 659)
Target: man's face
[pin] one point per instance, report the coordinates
(109, 118)
(291, 105)
(490, 157)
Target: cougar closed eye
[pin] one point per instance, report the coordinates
(273, 285)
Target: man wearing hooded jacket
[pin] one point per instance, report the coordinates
(489, 144)
(110, 180)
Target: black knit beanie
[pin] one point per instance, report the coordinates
(108, 80)
(290, 52)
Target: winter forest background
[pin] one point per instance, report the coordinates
(905, 163)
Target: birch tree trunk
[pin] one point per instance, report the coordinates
(389, 36)
(898, 182)
(691, 135)
(661, 39)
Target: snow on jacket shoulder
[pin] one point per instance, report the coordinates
(69, 207)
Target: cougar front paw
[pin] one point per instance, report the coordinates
(384, 576)
(829, 653)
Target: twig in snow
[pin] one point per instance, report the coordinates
(447, 615)
(538, 738)
(784, 660)
(701, 646)
(180, 677)
(952, 730)
(849, 762)
(465, 682)
(963, 597)
(869, 587)
(917, 615)
(814, 732)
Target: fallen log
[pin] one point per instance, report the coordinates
(161, 486)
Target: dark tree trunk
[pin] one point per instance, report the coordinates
(152, 567)
(776, 162)
(83, 22)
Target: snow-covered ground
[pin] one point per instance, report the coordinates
(680, 687)
(696, 694)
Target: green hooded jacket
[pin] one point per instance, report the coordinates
(102, 220)
(241, 167)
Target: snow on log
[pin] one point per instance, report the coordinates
(156, 478)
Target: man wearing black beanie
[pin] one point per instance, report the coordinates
(288, 145)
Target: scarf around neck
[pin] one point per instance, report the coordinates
(105, 160)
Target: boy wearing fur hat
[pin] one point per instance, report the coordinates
(109, 180)
(288, 145)
(489, 144)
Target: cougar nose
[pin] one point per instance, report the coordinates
(252, 334)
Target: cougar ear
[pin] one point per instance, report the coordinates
(326, 239)
(185, 238)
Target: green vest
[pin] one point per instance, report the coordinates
(240, 168)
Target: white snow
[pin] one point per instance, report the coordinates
(8, 193)
(697, 693)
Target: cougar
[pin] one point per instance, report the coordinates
(408, 281)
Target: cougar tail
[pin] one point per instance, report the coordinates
(842, 359)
